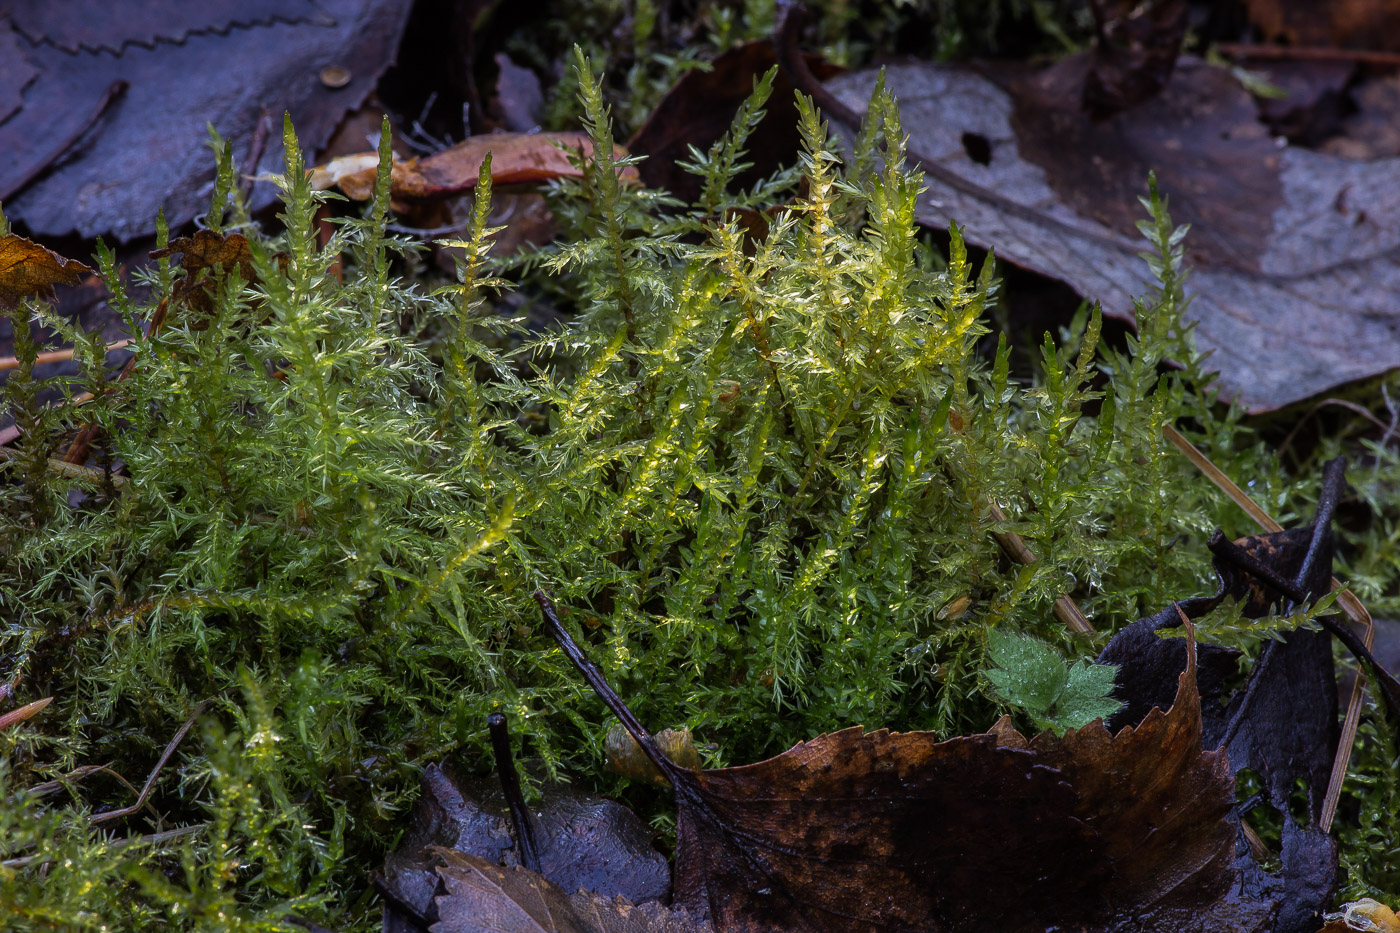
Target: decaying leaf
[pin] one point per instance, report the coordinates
(477, 896)
(1364, 916)
(698, 110)
(29, 270)
(16, 71)
(625, 756)
(112, 26)
(141, 117)
(1282, 724)
(584, 841)
(207, 248)
(876, 830)
(1159, 807)
(516, 158)
(1295, 254)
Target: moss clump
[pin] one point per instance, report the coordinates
(761, 473)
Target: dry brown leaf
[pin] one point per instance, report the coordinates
(28, 270)
(207, 248)
(479, 897)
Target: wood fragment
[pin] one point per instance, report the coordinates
(151, 839)
(8, 363)
(1304, 53)
(1066, 609)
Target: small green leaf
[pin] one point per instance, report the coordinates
(1033, 676)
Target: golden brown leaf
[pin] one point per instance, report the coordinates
(30, 270)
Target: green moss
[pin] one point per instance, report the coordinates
(757, 476)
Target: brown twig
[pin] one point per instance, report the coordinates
(1304, 53)
(155, 772)
(72, 777)
(72, 470)
(1015, 547)
(8, 363)
(1355, 612)
(153, 839)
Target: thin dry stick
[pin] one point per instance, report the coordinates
(74, 470)
(8, 363)
(73, 777)
(1351, 606)
(155, 772)
(1303, 53)
(1340, 403)
(1066, 609)
(152, 839)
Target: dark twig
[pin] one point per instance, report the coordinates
(510, 787)
(1231, 552)
(673, 772)
(1333, 473)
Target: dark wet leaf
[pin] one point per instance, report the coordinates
(104, 24)
(1282, 724)
(16, 71)
(1371, 127)
(698, 111)
(29, 270)
(103, 141)
(480, 897)
(1311, 102)
(584, 841)
(876, 830)
(1295, 254)
(1158, 805)
(516, 158)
